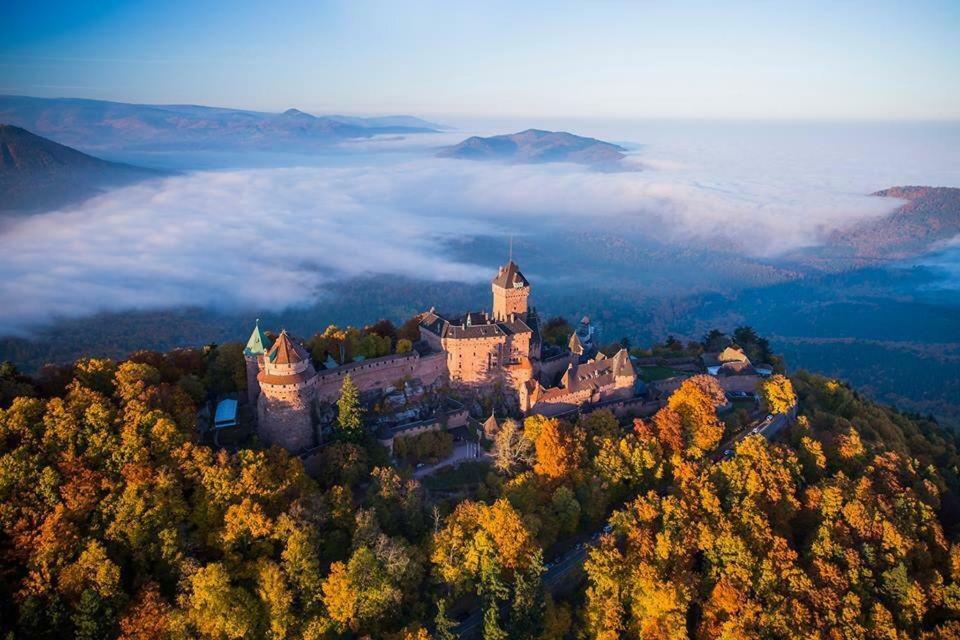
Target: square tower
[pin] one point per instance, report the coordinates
(510, 293)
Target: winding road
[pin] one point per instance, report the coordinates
(554, 577)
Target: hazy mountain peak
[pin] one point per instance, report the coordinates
(36, 172)
(536, 145)
(930, 217)
(98, 124)
(297, 112)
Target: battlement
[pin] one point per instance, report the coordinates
(379, 373)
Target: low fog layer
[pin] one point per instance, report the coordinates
(262, 238)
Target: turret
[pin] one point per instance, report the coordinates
(287, 390)
(623, 372)
(576, 353)
(510, 293)
(253, 353)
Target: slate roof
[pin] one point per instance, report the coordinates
(434, 323)
(477, 327)
(476, 331)
(475, 317)
(514, 326)
(737, 369)
(510, 277)
(592, 375)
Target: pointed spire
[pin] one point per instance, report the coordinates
(576, 347)
(286, 351)
(258, 344)
(622, 365)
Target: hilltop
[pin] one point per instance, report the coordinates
(687, 521)
(38, 173)
(95, 124)
(535, 146)
(930, 216)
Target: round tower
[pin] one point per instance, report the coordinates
(287, 391)
(253, 354)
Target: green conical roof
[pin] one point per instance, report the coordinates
(258, 343)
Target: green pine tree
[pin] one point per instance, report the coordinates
(349, 412)
(491, 623)
(444, 625)
(494, 591)
(92, 618)
(527, 608)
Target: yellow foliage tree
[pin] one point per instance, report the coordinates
(777, 394)
(476, 534)
(560, 449)
(695, 404)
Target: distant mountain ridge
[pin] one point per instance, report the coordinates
(931, 216)
(99, 124)
(536, 146)
(36, 173)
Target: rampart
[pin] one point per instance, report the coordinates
(378, 373)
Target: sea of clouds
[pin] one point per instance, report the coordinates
(252, 238)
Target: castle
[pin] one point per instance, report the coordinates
(478, 351)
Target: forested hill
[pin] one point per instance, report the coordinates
(94, 125)
(929, 218)
(116, 522)
(534, 145)
(36, 173)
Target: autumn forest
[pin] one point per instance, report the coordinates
(117, 522)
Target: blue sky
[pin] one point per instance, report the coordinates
(811, 60)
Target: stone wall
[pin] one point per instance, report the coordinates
(284, 417)
(378, 373)
(552, 368)
(469, 359)
(507, 302)
(253, 386)
(561, 403)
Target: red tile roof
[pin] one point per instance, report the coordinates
(286, 351)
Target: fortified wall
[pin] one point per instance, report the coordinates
(378, 373)
(476, 350)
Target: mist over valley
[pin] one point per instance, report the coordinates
(717, 224)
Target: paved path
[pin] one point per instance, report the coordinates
(462, 451)
(572, 560)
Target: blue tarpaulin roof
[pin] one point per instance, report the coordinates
(226, 415)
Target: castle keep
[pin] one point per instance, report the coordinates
(476, 351)
(483, 348)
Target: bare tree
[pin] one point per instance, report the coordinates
(511, 449)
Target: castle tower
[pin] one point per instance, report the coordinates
(575, 346)
(576, 353)
(625, 376)
(510, 293)
(287, 390)
(253, 353)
